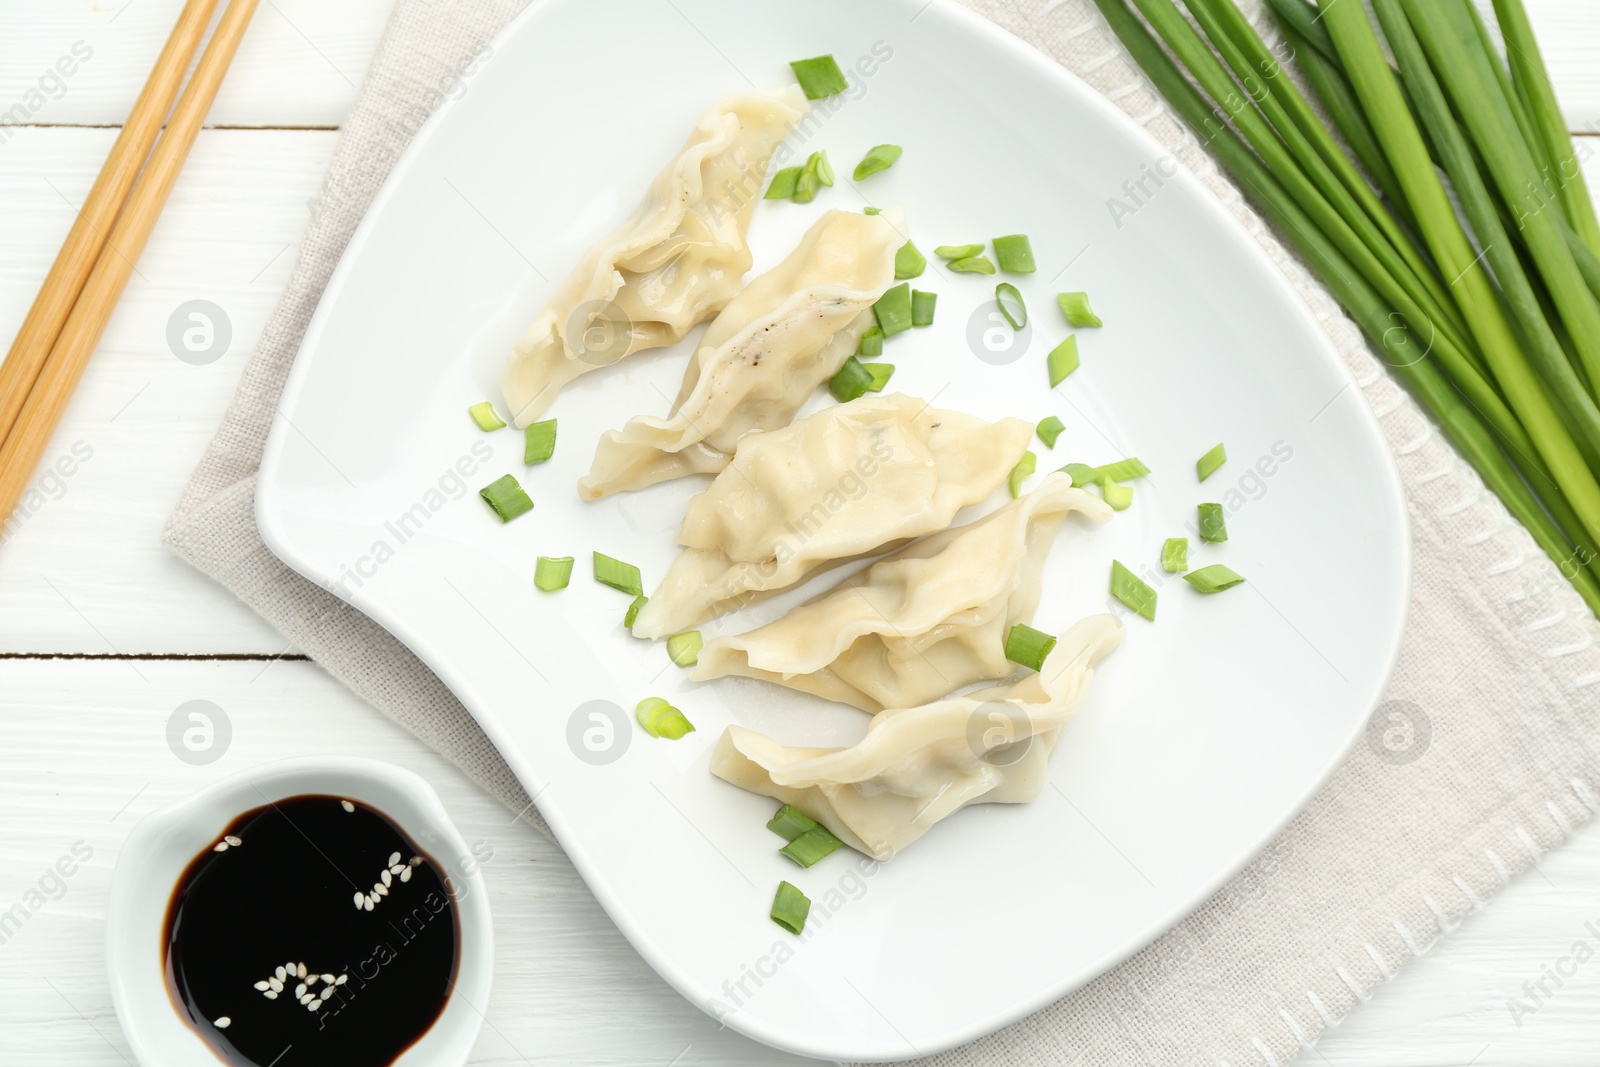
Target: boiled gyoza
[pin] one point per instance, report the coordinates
(673, 264)
(789, 331)
(915, 766)
(921, 623)
(836, 485)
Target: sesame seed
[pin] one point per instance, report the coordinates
(380, 889)
(232, 840)
(276, 983)
(397, 868)
(311, 979)
(341, 980)
(415, 861)
(263, 986)
(386, 877)
(223, 1023)
(394, 858)
(303, 997)
(405, 875)
(270, 995)
(329, 979)
(314, 1005)
(347, 806)
(281, 974)
(289, 968)
(361, 900)
(300, 990)
(370, 904)
(220, 846)
(300, 970)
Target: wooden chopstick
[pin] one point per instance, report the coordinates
(87, 238)
(48, 398)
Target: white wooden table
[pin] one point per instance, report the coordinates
(103, 634)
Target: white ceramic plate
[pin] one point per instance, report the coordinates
(1202, 735)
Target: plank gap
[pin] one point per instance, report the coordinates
(207, 657)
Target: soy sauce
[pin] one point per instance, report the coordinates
(296, 883)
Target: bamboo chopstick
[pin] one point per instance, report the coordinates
(87, 238)
(84, 326)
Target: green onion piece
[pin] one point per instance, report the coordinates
(1075, 306)
(819, 76)
(810, 180)
(1213, 525)
(893, 310)
(878, 157)
(871, 211)
(958, 251)
(824, 169)
(871, 342)
(552, 572)
(922, 305)
(971, 265)
(1119, 496)
(1175, 555)
(1063, 360)
(1207, 464)
(684, 649)
(661, 719)
(783, 184)
(483, 414)
(1082, 474)
(909, 262)
(633, 610)
(811, 846)
(507, 498)
(1028, 646)
(880, 373)
(790, 908)
(852, 380)
(1123, 470)
(539, 442)
(790, 822)
(1011, 305)
(1014, 254)
(1132, 592)
(1025, 466)
(617, 574)
(1049, 429)
(1213, 579)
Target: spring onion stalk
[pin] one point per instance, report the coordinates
(922, 307)
(621, 576)
(790, 908)
(506, 497)
(1213, 579)
(909, 262)
(1075, 306)
(684, 649)
(539, 442)
(1028, 646)
(783, 184)
(790, 822)
(811, 846)
(634, 608)
(552, 572)
(872, 340)
(958, 251)
(483, 414)
(1011, 306)
(815, 174)
(852, 380)
(870, 210)
(1062, 360)
(1025, 467)
(1123, 470)
(1081, 474)
(1213, 523)
(1306, 21)
(1119, 496)
(880, 373)
(1208, 464)
(1049, 429)
(893, 310)
(1014, 254)
(1175, 555)
(971, 265)
(824, 169)
(879, 157)
(1127, 587)
(819, 76)
(661, 719)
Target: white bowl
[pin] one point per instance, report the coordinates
(163, 844)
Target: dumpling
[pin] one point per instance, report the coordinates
(917, 765)
(672, 265)
(836, 485)
(789, 331)
(926, 621)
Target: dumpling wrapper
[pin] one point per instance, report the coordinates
(676, 262)
(789, 331)
(918, 765)
(836, 485)
(926, 621)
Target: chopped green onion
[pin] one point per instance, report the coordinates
(811, 846)
(1075, 306)
(483, 414)
(1207, 464)
(871, 211)
(922, 305)
(880, 375)
(1213, 524)
(971, 265)
(1011, 305)
(783, 184)
(810, 180)
(790, 908)
(1126, 587)
(1082, 474)
(1028, 646)
(1175, 555)
(539, 442)
(661, 719)
(1213, 579)
(893, 310)
(1119, 496)
(1014, 254)
(909, 262)
(1049, 430)
(684, 649)
(824, 168)
(819, 76)
(958, 251)
(790, 822)
(1063, 360)
(871, 342)
(633, 610)
(1123, 470)
(552, 572)
(617, 574)
(879, 157)
(852, 380)
(507, 498)
(1025, 466)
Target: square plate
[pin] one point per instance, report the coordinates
(1201, 736)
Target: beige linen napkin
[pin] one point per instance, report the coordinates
(1482, 757)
